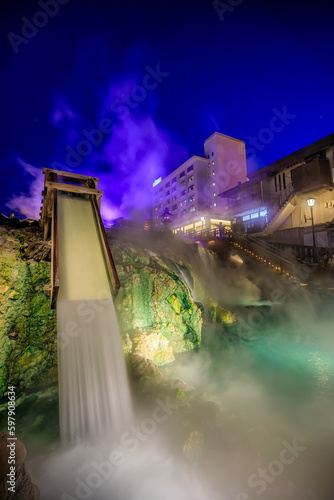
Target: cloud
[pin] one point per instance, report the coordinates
(29, 204)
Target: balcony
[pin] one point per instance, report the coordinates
(311, 176)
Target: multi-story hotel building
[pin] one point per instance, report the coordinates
(190, 193)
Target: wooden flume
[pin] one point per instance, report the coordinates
(54, 181)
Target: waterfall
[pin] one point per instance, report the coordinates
(94, 394)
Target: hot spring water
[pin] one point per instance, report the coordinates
(275, 389)
(94, 392)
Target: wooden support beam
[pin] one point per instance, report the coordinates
(72, 188)
(47, 171)
(54, 251)
(113, 277)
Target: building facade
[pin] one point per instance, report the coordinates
(274, 201)
(190, 193)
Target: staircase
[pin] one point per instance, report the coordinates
(282, 208)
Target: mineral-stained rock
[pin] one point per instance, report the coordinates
(24, 487)
(156, 309)
(28, 348)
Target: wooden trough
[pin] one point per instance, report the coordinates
(54, 181)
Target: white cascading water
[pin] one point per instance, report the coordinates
(94, 394)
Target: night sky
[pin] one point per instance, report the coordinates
(154, 80)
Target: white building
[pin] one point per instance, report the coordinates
(191, 191)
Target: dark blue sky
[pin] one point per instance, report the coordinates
(232, 75)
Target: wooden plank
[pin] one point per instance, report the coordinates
(113, 277)
(69, 174)
(54, 252)
(72, 188)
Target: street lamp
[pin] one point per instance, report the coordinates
(310, 203)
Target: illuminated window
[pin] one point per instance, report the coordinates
(255, 215)
(215, 204)
(183, 183)
(214, 184)
(213, 173)
(214, 194)
(246, 217)
(263, 213)
(191, 178)
(192, 209)
(191, 199)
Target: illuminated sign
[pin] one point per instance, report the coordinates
(157, 181)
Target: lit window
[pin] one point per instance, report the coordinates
(213, 163)
(191, 178)
(255, 215)
(215, 204)
(213, 173)
(183, 183)
(191, 199)
(192, 209)
(214, 184)
(214, 194)
(246, 217)
(263, 213)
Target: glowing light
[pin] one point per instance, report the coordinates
(310, 202)
(157, 181)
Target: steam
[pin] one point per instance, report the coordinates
(127, 157)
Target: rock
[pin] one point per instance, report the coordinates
(24, 487)
(28, 346)
(224, 316)
(143, 368)
(193, 446)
